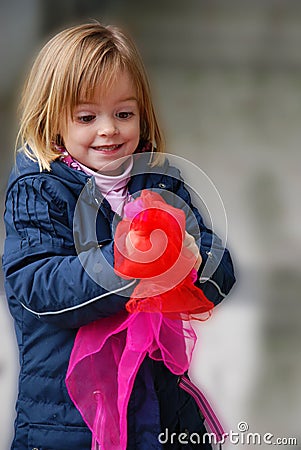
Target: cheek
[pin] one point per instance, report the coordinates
(76, 135)
(130, 133)
(135, 128)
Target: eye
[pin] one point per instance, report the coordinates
(124, 115)
(86, 118)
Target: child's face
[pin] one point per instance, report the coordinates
(106, 128)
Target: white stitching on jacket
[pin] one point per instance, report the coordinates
(82, 304)
(204, 279)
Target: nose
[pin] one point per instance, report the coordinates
(107, 127)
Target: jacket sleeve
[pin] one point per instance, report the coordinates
(43, 271)
(216, 274)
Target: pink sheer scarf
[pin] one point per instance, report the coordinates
(108, 353)
(104, 363)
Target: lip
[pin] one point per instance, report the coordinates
(107, 149)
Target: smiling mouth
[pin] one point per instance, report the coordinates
(107, 148)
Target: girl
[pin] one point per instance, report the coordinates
(87, 123)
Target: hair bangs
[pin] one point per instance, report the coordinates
(98, 73)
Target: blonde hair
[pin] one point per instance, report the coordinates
(68, 69)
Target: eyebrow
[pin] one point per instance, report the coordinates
(129, 99)
(86, 102)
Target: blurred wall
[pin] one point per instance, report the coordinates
(226, 78)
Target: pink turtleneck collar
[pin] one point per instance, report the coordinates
(113, 187)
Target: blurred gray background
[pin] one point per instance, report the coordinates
(226, 80)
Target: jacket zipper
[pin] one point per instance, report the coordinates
(212, 421)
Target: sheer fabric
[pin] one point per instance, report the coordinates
(108, 353)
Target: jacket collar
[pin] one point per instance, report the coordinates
(25, 167)
(142, 175)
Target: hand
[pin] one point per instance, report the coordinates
(145, 248)
(136, 240)
(190, 244)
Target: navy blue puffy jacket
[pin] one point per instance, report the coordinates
(50, 295)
